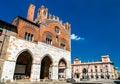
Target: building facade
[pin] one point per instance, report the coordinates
(103, 69)
(116, 74)
(35, 48)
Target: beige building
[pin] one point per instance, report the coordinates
(103, 69)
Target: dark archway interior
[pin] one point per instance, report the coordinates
(45, 68)
(23, 66)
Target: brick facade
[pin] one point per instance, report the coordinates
(45, 23)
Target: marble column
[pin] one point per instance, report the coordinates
(54, 74)
(35, 72)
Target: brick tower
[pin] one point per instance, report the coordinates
(30, 15)
(42, 14)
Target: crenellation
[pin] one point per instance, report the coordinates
(54, 17)
(66, 26)
(57, 18)
(61, 22)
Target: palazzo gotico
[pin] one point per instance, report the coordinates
(35, 49)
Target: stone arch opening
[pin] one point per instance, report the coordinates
(46, 68)
(62, 69)
(23, 66)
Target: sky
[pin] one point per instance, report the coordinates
(95, 24)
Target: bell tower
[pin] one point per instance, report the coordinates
(42, 14)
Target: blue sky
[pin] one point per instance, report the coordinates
(95, 24)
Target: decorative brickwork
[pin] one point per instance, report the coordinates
(46, 24)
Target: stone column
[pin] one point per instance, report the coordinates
(54, 74)
(35, 72)
(8, 70)
(68, 73)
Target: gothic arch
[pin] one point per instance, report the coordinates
(46, 67)
(23, 65)
(62, 65)
(63, 43)
(62, 59)
(45, 56)
(47, 37)
(24, 51)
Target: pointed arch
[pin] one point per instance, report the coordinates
(63, 43)
(62, 65)
(24, 51)
(46, 67)
(47, 37)
(62, 60)
(23, 65)
(46, 55)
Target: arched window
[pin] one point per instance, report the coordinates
(102, 76)
(47, 38)
(62, 43)
(28, 36)
(95, 66)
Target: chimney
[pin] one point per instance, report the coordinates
(30, 15)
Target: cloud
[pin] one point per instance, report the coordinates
(75, 37)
